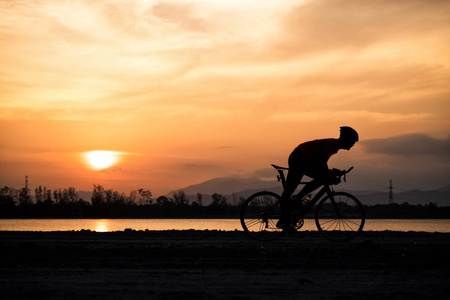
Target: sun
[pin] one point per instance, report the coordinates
(101, 159)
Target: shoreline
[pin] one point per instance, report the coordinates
(239, 231)
(214, 264)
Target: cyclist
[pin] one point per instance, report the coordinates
(310, 158)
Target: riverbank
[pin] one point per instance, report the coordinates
(194, 264)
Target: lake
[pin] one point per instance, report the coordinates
(106, 225)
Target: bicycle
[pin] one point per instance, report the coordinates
(339, 216)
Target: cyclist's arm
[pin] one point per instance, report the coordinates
(320, 171)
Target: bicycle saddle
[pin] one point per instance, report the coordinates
(279, 168)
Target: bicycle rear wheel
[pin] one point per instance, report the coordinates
(259, 216)
(341, 217)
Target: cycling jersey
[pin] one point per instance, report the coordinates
(318, 150)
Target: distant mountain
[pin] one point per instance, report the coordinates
(226, 185)
(444, 189)
(234, 188)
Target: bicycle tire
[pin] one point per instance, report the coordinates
(259, 215)
(343, 225)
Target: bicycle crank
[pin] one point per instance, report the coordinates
(299, 224)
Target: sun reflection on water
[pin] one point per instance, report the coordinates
(101, 226)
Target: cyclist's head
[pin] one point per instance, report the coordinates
(348, 137)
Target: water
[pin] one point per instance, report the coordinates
(106, 225)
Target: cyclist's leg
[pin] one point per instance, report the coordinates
(285, 201)
(316, 171)
(310, 187)
(293, 179)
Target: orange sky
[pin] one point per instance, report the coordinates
(191, 90)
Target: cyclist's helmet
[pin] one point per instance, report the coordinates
(348, 133)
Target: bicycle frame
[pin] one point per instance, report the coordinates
(326, 189)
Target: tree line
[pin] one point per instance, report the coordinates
(65, 203)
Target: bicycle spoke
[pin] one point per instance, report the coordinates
(273, 224)
(253, 222)
(330, 221)
(261, 226)
(344, 224)
(353, 222)
(331, 224)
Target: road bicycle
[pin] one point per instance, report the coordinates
(339, 216)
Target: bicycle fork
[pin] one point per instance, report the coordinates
(333, 202)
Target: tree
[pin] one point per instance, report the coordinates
(200, 199)
(40, 194)
(8, 196)
(145, 197)
(24, 197)
(57, 195)
(98, 195)
(219, 204)
(180, 198)
(69, 195)
(48, 196)
(133, 198)
(218, 200)
(162, 200)
(119, 198)
(109, 197)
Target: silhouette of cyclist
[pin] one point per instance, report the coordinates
(311, 159)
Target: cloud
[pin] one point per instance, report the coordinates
(409, 145)
(329, 25)
(349, 114)
(266, 173)
(198, 166)
(180, 14)
(183, 77)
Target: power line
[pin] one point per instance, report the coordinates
(391, 196)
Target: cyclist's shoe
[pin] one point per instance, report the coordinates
(286, 226)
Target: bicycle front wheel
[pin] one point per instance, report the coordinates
(259, 216)
(340, 217)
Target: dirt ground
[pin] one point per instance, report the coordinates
(222, 265)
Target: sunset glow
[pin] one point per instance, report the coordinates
(101, 226)
(193, 90)
(101, 159)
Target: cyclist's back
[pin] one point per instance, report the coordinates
(318, 149)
